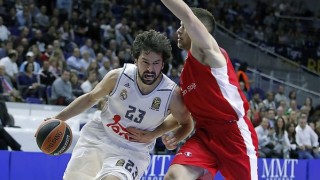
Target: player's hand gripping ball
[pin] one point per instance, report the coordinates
(54, 137)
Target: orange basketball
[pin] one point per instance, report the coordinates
(54, 137)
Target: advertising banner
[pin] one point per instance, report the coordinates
(313, 169)
(4, 161)
(39, 166)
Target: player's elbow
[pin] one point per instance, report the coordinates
(90, 98)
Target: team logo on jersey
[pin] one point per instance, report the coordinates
(120, 162)
(123, 94)
(156, 104)
(127, 85)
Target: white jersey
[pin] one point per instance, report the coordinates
(127, 107)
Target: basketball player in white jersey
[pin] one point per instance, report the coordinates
(139, 96)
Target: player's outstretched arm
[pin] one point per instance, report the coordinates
(198, 33)
(203, 46)
(103, 88)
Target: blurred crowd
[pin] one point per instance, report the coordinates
(54, 51)
(285, 129)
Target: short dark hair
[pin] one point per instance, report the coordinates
(205, 17)
(151, 41)
(27, 64)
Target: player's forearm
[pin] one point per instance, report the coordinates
(183, 131)
(179, 8)
(76, 107)
(168, 125)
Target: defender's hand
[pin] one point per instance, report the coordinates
(136, 135)
(169, 141)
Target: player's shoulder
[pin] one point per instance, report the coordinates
(113, 74)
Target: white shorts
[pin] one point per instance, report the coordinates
(96, 156)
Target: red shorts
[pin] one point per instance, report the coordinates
(229, 148)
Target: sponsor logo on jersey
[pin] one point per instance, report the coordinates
(120, 162)
(123, 94)
(118, 128)
(188, 154)
(189, 88)
(156, 104)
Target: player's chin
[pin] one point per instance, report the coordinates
(148, 81)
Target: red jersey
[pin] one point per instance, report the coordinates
(212, 95)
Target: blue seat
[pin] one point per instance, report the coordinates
(48, 94)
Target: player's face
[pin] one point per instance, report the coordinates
(149, 66)
(184, 41)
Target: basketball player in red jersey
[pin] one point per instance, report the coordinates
(224, 138)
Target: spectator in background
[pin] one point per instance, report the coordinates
(93, 66)
(62, 89)
(243, 77)
(85, 60)
(293, 117)
(10, 65)
(75, 84)
(243, 89)
(308, 107)
(24, 17)
(4, 32)
(280, 112)
(280, 136)
(291, 130)
(30, 59)
(280, 96)
(28, 82)
(292, 95)
(45, 56)
(256, 107)
(7, 91)
(307, 139)
(292, 106)
(174, 75)
(66, 32)
(42, 19)
(39, 41)
(88, 48)
(271, 115)
(5, 48)
(91, 82)
(57, 63)
(24, 34)
(74, 61)
(103, 70)
(264, 138)
(46, 77)
(101, 59)
(269, 102)
(11, 19)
